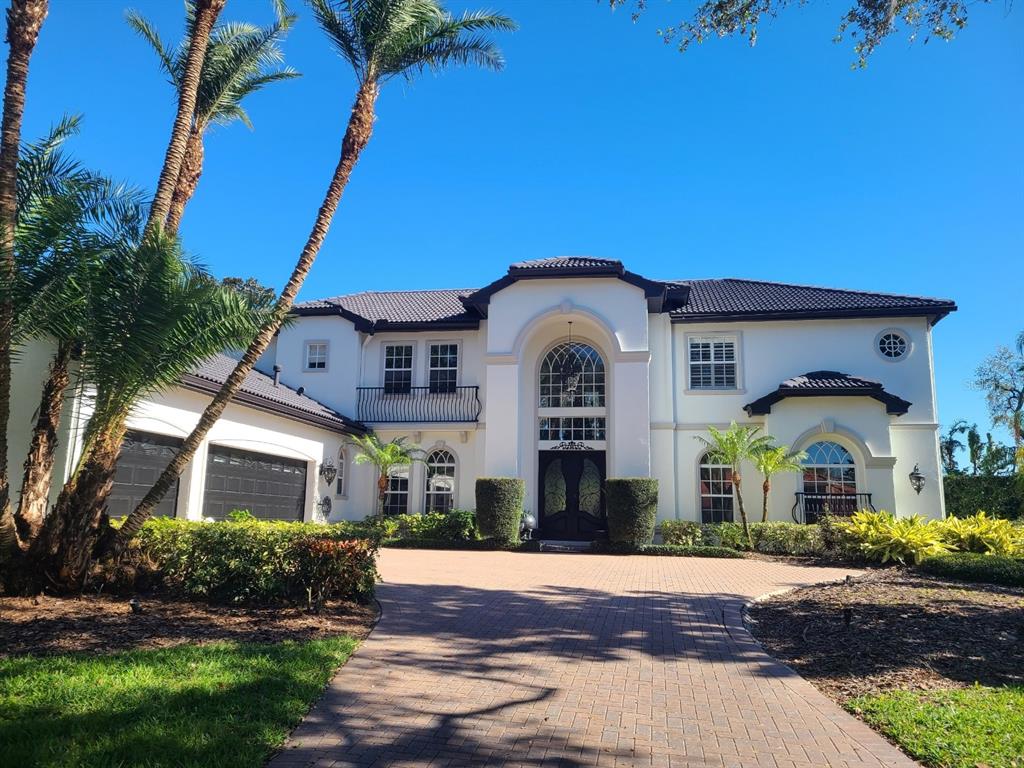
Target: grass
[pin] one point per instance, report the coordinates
(223, 704)
(961, 728)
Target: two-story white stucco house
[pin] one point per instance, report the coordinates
(563, 372)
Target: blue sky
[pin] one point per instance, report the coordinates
(774, 162)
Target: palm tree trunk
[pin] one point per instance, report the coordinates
(79, 516)
(766, 488)
(382, 491)
(743, 512)
(357, 136)
(24, 20)
(207, 12)
(188, 179)
(35, 485)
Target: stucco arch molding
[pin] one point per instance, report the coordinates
(829, 428)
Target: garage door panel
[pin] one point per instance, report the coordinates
(142, 458)
(270, 487)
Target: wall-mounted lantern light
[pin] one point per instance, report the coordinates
(916, 479)
(328, 472)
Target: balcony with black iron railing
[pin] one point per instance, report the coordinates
(811, 506)
(412, 405)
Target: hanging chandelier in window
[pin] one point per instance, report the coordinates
(570, 370)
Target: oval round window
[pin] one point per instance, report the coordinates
(893, 345)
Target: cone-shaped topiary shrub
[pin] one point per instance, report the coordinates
(499, 508)
(632, 504)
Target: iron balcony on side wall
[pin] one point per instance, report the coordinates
(411, 405)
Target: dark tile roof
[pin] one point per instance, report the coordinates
(685, 300)
(725, 298)
(567, 262)
(828, 384)
(258, 390)
(391, 308)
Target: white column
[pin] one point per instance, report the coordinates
(501, 437)
(630, 418)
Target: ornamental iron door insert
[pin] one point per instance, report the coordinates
(571, 495)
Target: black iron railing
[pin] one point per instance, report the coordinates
(810, 506)
(418, 404)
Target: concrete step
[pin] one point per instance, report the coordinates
(549, 545)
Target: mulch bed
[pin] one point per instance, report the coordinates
(49, 625)
(905, 631)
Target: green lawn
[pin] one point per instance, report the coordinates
(961, 728)
(222, 704)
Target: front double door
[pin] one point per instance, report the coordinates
(571, 491)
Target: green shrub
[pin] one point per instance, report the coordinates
(983, 534)
(1001, 497)
(261, 561)
(499, 508)
(723, 535)
(882, 537)
(680, 532)
(782, 538)
(837, 539)
(663, 550)
(632, 504)
(970, 566)
(457, 525)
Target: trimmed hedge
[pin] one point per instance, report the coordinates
(999, 496)
(455, 526)
(970, 566)
(473, 544)
(259, 561)
(499, 508)
(632, 504)
(772, 538)
(663, 550)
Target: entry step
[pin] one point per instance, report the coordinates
(550, 545)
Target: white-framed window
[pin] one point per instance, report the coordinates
(316, 355)
(340, 487)
(443, 366)
(892, 344)
(713, 362)
(440, 488)
(571, 388)
(829, 470)
(396, 500)
(398, 368)
(716, 491)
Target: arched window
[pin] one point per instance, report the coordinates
(340, 489)
(716, 496)
(440, 488)
(829, 470)
(396, 501)
(572, 376)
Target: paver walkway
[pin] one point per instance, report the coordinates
(502, 659)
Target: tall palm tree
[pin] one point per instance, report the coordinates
(949, 444)
(151, 317)
(381, 40)
(732, 447)
(241, 59)
(24, 20)
(202, 15)
(770, 462)
(385, 457)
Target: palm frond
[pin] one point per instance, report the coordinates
(341, 31)
(148, 32)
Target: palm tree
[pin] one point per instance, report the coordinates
(975, 447)
(202, 15)
(385, 457)
(381, 40)
(151, 316)
(24, 20)
(770, 462)
(949, 444)
(732, 447)
(241, 59)
(67, 217)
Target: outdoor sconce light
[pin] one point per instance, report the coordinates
(328, 472)
(324, 505)
(917, 479)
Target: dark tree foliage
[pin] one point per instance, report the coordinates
(259, 295)
(867, 23)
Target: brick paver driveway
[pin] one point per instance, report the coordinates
(489, 658)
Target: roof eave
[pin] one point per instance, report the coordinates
(894, 406)
(934, 314)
